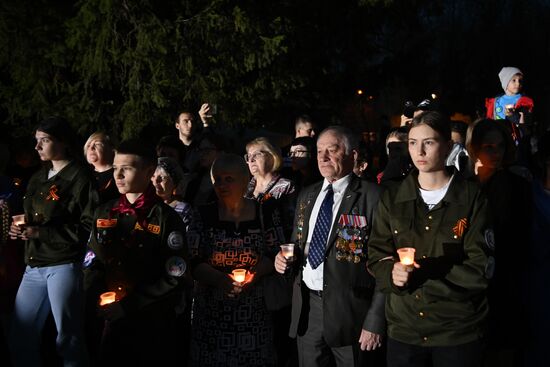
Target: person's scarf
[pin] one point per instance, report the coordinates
(140, 208)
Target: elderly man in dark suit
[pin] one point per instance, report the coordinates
(337, 311)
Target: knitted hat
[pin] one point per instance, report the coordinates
(171, 167)
(506, 74)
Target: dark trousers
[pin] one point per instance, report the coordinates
(407, 355)
(144, 340)
(313, 351)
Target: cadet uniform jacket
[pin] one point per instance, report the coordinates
(143, 263)
(351, 301)
(62, 208)
(444, 303)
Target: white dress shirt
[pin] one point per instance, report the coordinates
(313, 278)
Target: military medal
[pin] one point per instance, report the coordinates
(351, 237)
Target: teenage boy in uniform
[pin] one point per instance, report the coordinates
(137, 249)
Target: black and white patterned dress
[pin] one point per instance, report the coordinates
(231, 331)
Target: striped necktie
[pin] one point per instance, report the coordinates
(321, 231)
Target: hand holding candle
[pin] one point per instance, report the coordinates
(402, 270)
(17, 226)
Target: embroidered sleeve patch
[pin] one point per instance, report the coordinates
(175, 240)
(153, 228)
(176, 266)
(88, 259)
(106, 223)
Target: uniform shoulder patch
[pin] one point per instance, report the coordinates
(90, 256)
(153, 228)
(175, 240)
(106, 223)
(176, 266)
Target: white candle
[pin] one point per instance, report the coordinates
(106, 298)
(406, 255)
(19, 220)
(239, 275)
(288, 250)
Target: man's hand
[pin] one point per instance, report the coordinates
(401, 273)
(369, 341)
(281, 263)
(405, 120)
(204, 113)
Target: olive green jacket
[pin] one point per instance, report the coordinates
(444, 303)
(146, 266)
(62, 208)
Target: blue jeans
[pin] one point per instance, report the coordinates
(59, 289)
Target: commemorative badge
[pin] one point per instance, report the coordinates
(352, 237)
(176, 266)
(175, 240)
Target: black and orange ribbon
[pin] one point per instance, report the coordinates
(53, 193)
(460, 227)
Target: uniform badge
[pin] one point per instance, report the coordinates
(153, 228)
(90, 256)
(352, 236)
(460, 226)
(176, 266)
(175, 240)
(106, 223)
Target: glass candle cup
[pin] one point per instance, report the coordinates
(406, 255)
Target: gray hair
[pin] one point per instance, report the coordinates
(351, 142)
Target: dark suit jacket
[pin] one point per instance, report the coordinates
(351, 301)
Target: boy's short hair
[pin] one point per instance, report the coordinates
(139, 148)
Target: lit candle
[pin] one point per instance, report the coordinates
(288, 250)
(406, 255)
(106, 298)
(19, 220)
(239, 275)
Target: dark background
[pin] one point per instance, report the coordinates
(128, 66)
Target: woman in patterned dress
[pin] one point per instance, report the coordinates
(231, 325)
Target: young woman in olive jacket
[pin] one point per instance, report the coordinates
(436, 307)
(58, 207)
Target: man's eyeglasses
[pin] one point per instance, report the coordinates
(252, 157)
(298, 153)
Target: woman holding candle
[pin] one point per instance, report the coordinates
(58, 207)
(231, 325)
(435, 307)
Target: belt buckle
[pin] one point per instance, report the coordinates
(317, 293)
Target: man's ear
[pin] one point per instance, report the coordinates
(354, 154)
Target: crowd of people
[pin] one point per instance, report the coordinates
(171, 252)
